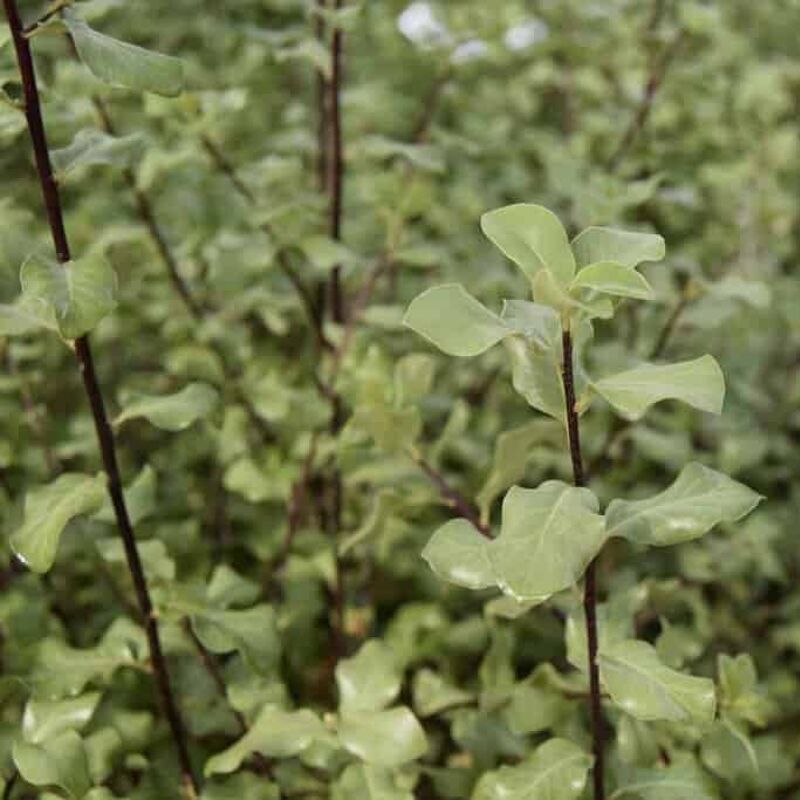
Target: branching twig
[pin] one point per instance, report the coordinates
(94, 395)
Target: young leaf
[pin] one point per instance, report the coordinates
(628, 248)
(123, 64)
(172, 412)
(612, 278)
(383, 738)
(454, 321)
(80, 292)
(556, 771)
(699, 383)
(275, 734)
(699, 499)
(368, 681)
(533, 238)
(47, 512)
(26, 315)
(547, 538)
(458, 553)
(646, 689)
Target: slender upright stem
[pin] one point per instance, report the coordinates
(590, 578)
(335, 168)
(94, 395)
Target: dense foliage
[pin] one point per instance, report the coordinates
(559, 565)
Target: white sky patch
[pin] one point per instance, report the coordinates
(418, 23)
(526, 34)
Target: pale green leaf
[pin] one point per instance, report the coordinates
(140, 499)
(275, 734)
(122, 64)
(548, 291)
(533, 238)
(43, 719)
(368, 782)
(699, 383)
(370, 680)
(80, 292)
(646, 689)
(699, 499)
(433, 694)
(240, 786)
(25, 315)
(676, 782)
(91, 146)
(628, 248)
(172, 412)
(58, 762)
(48, 510)
(383, 738)
(557, 771)
(454, 321)
(547, 538)
(612, 278)
(458, 553)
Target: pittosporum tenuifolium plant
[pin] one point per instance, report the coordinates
(551, 537)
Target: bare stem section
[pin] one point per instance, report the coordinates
(94, 395)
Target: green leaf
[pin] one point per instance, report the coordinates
(123, 64)
(383, 738)
(253, 632)
(91, 146)
(646, 689)
(241, 786)
(367, 782)
(47, 512)
(43, 719)
(676, 782)
(458, 553)
(699, 499)
(547, 291)
(547, 538)
(80, 292)
(740, 695)
(699, 383)
(556, 771)
(433, 694)
(59, 762)
(140, 499)
(172, 412)
(453, 320)
(612, 278)
(275, 734)
(368, 681)
(628, 248)
(533, 238)
(26, 315)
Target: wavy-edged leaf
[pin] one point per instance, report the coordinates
(93, 147)
(80, 292)
(676, 782)
(457, 552)
(556, 771)
(612, 278)
(60, 762)
(699, 499)
(370, 680)
(172, 412)
(533, 238)
(452, 319)
(647, 689)
(383, 738)
(48, 510)
(628, 248)
(547, 538)
(699, 383)
(123, 64)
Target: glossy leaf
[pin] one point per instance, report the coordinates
(172, 412)
(368, 681)
(699, 383)
(646, 689)
(123, 64)
(698, 500)
(43, 719)
(453, 320)
(48, 511)
(557, 771)
(458, 553)
(383, 738)
(547, 538)
(532, 237)
(80, 292)
(275, 733)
